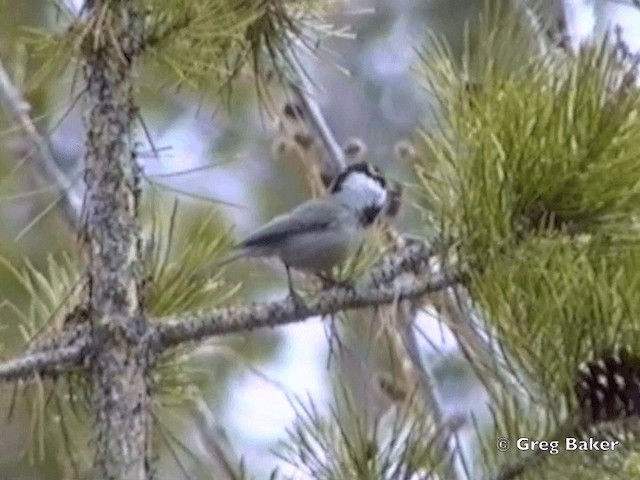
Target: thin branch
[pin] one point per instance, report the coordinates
(43, 363)
(536, 26)
(433, 401)
(414, 258)
(302, 90)
(198, 326)
(570, 24)
(216, 442)
(17, 106)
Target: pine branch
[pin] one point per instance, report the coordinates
(302, 90)
(44, 363)
(375, 292)
(402, 275)
(397, 276)
(18, 107)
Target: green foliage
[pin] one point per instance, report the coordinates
(57, 409)
(177, 277)
(181, 279)
(183, 249)
(200, 43)
(559, 302)
(52, 294)
(547, 148)
(210, 41)
(351, 443)
(176, 283)
(532, 170)
(48, 52)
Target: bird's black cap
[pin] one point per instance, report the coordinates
(363, 167)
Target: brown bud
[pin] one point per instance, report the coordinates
(404, 151)
(303, 139)
(293, 111)
(394, 201)
(391, 387)
(355, 149)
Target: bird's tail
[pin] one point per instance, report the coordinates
(237, 255)
(214, 267)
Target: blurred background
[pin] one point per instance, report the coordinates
(222, 153)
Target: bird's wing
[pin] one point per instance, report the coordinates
(308, 217)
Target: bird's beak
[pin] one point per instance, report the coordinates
(394, 199)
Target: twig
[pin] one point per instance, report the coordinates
(302, 89)
(536, 25)
(50, 362)
(174, 331)
(17, 106)
(216, 441)
(433, 401)
(412, 258)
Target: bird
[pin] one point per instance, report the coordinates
(322, 232)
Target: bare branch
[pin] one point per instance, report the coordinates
(216, 442)
(17, 106)
(303, 91)
(413, 258)
(198, 326)
(43, 363)
(50, 353)
(536, 26)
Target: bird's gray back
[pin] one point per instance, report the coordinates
(313, 216)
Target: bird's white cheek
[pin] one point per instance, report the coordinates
(384, 198)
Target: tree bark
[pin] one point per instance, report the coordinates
(119, 368)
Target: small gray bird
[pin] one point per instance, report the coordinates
(322, 232)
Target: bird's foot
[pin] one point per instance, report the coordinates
(298, 302)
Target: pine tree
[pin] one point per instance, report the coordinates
(527, 185)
